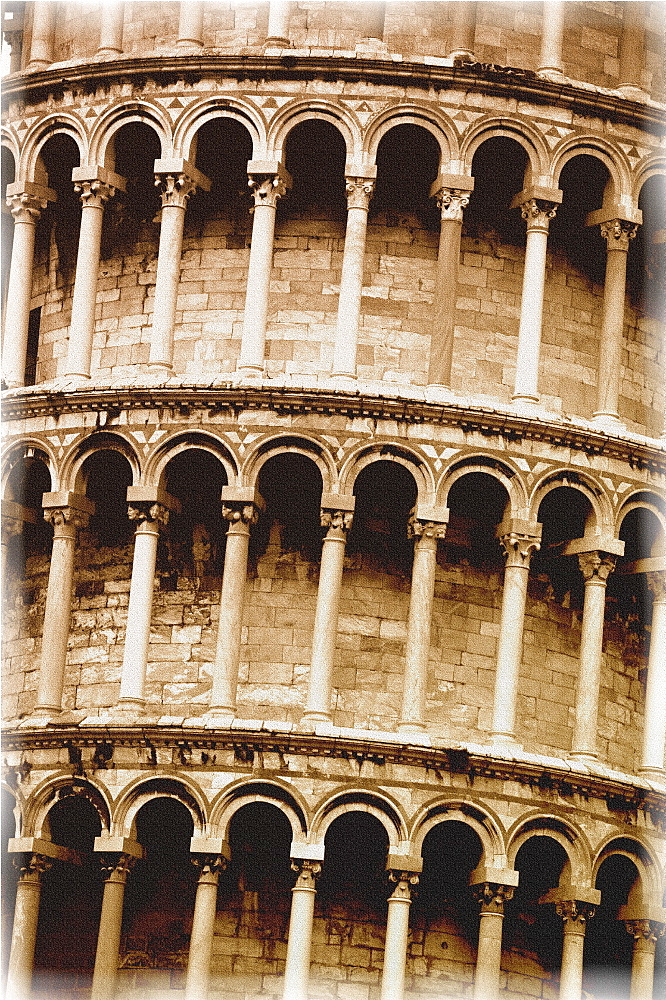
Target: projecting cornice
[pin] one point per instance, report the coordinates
(501, 81)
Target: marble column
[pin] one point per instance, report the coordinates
(520, 540)
(118, 856)
(299, 943)
(404, 873)
(537, 206)
(646, 931)
(632, 46)
(278, 23)
(12, 31)
(654, 725)
(596, 560)
(552, 30)
(211, 858)
(24, 931)
(240, 507)
(67, 512)
(178, 180)
(452, 192)
(190, 25)
(26, 202)
(269, 182)
(464, 29)
(111, 29)
(426, 525)
(150, 508)
(95, 185)
(492, 887)
(336, 516)
(359, 192)
(41, 40)
(618, 231)
(576, 905)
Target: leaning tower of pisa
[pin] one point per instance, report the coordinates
(334, 517)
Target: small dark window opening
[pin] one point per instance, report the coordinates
(33, 346)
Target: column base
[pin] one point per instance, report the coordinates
(83, 375)
(408, 726)
(276, 42)
(47, 711)
(343, 377)
(315, 722)
(249, 372)
(525, 399)
(130, 705)
(584, 756)
(657, 774)
(611, 421)
(108, 53)
(188, 43)
(220, 718)
(159, 368)
(505, 741)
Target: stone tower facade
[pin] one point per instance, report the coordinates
(334, 522)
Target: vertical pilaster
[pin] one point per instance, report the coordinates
(426, 526)
(646, 924)
(190, 24)
(26, 202)
(336, 516)
(118, 857)
(278, 23)
(492, 887)
(537, 207)
(67, 512)
(41, 41)
(359, 192)
(240, 507)
(111, 29)
(403, 872)
(269, 182)
(299, 943)
(654, 726)
(211, 858)
(464, 30)
(178, 181)
(31, 867)
(552, 30)
(150, 508)
(519, 540)
(632, 46)
(452, 192)
(95, 185)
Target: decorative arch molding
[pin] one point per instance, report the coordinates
(10, 141)
(381, 806)
(602, 507)
(611, 156)
(189, 441)
(384, 451)
(650, 874)
(654, 165)
(485, 823)
(28, 449)
(198, 113)
(298, 110)
(413, 113)
(53, 790)
(19, 807)
(123, 113)
(144, 790)
(518, 129)
(273, 792)
(569, 837)
(504, 472)
(643, 500)
(46, 128)
(71, 474)
(299, 444)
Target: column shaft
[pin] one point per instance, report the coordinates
(464, 29)
(359, 192)
(139, 612)
(278, 22)
(397, 937)
(417, 647)
(111, 28)
(166, 285)
(190, 25)
(642, 968)
(41, 42)
(654, 726)
(232, 597)
(299, 943)
(632, 42)
(108, 938)
(24, 932)
(201, 938)
(552, 29)
(612, 328)
(489, 955)
(596, 567)
(571, 972)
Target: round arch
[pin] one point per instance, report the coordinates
(188, 441)
(429, 118)
(274, 793)
(200, 112)
(144, 790)
(122, 114)
(611, 156)
(72, 464)
(271, 446)
(40, 133)
(298, 111)
(654, 165)
(10, 141)
(486, 825)
(366, 454)
(650, 873)
(18, 809)
(602, 509)
(519, 130)
(643, 500)
(383, 808)
(507, 475)
(569, 837)
(27, 449)
(61, 786)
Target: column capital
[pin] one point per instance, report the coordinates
(427, 522)
(26, 200)
(36, 847)
(337, 510)
(404, 871)
(645, 930)
(520, 540)
(147, 503)
(493, 887)
(96, 184)
(31, 866)
(210, 854)
(618, 223)
(576, 905)
(308, 872)
(452, 193)
(268, 180)
(656, 581)
(117, 854)
(618, 233)
(64, 508)
(241, 504)
(360, 190)
(179, 180)
(538, 206)
(596, 566)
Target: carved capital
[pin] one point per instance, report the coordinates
(492, 896)
(267, 190)
(451, 202)
(359, 191)
(340, 520)
(63, 517)
(575, 911)
(177, 189)
(31, 866)
(538, 213)
(117, 866)
(209, 864)
(596, 566)
(240, 511)
(147, 511)
(95, 193)
(617, 233)
(405, 883)
(656, 582)
(419, 527)
(25, 207)
(308, 871)
(645, 930)
(519, 548)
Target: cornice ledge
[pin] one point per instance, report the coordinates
(518, 83)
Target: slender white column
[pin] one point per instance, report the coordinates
(190, 25)
(67, 512)
(405, 877)
(359, 192)
(179, 180)
(26, 201)
(492, 887)
(632, 45)
(111, 28)
(24, 931)
(278, 23)
(41, 41)
(464, 29)
(336, 515)
(520, 540)
(299, 943)
(95, 185)
(12, 31)
(645, 930)
(426, 526)
(452, 192)
(118, 856)
(210, 866)
(552, 30)
(617, 229)
(269, 181)
(240, 507)
(576, 905)
(538, 207)
(654, 726)
(150, 508)
(596, 564)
